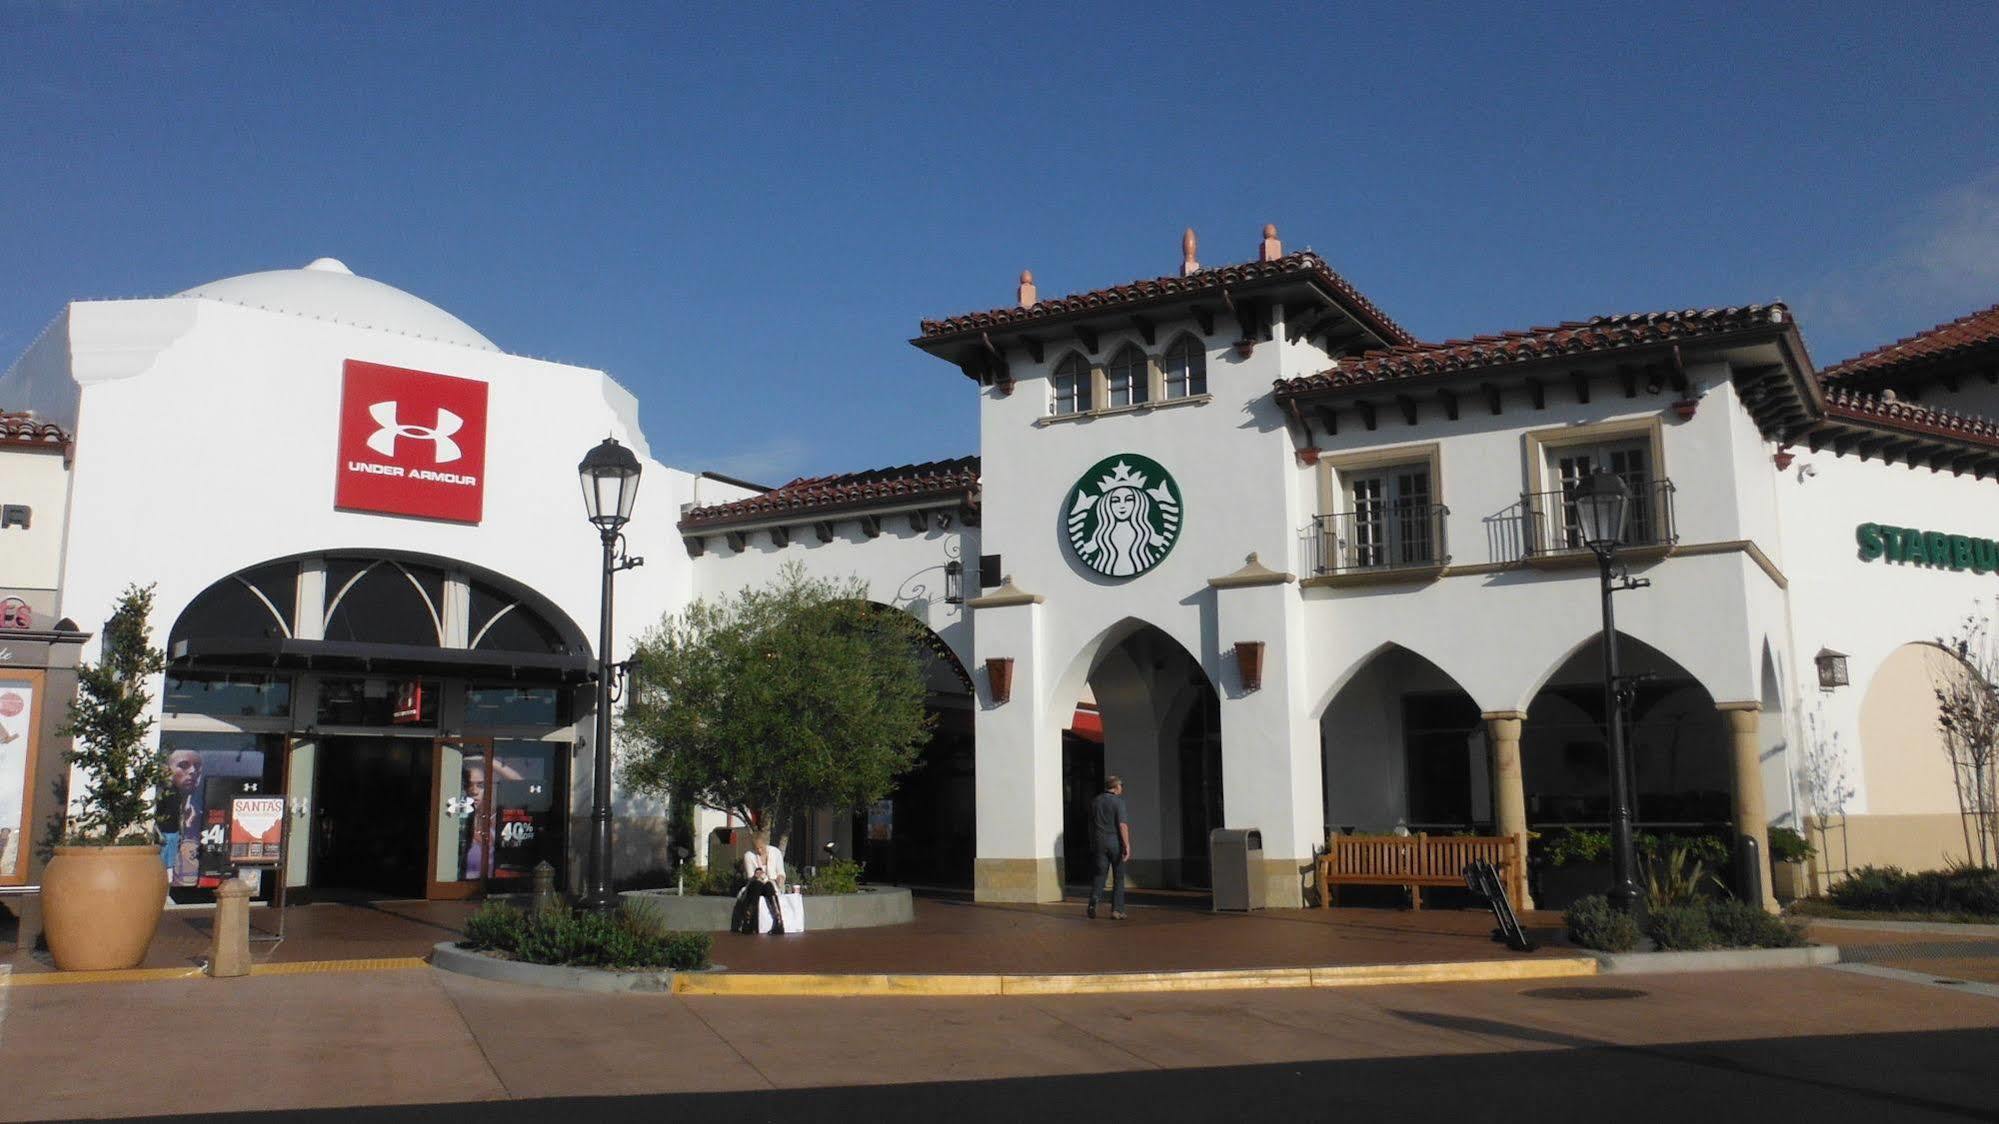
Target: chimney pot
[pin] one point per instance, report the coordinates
(1188, 266)
(1272, 249)
(1026, 293)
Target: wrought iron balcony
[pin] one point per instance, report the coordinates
(1550, 525)
(1381, 537)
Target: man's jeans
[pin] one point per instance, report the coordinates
(1108, 856)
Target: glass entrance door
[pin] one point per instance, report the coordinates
(462, 835)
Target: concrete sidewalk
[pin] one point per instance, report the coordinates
(949, 936)
(1820, 1037)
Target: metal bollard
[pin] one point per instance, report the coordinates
(1748, 870)
(545, 897)
(229, 943)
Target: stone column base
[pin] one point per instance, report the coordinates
(1016, 880)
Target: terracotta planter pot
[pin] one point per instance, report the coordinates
(100, 905)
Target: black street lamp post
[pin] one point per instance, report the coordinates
(1602, 505)
(610, 475)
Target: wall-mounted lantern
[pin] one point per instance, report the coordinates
(999, 673)
(1832, 669)
(1249, 664)
(954, 582)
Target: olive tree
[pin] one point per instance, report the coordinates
(108, 724)
(795, 695)
(1967, 691)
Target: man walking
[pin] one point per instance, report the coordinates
(1110, 845)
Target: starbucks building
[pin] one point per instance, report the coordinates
(1232, 534)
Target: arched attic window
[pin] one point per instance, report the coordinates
(1125, 378)
(381, 601)
(254, 604)
(1185, 368)
(501, 622)
(1070, 386)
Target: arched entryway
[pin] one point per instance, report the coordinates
(1913, 788)
(1403, 745)
(1160, 731)
(417, 715)
(1678, 742)
(925, 832)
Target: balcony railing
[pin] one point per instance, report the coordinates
(1379, 538)
(1550, 524)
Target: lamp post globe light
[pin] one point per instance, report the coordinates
(610, 475)
(1602, 506)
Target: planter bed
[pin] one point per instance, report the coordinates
(872, 907)
(447, 956)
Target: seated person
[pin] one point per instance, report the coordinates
(763, 865)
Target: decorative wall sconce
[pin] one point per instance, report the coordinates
(954, 582)
(999, 673)
(1832, 669)
(1245, 347)
(1783, 458)
(1685, 407)
(1249, 664)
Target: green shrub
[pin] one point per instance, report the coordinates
(1681, 928)
(1960, 890)
(1673, 877)
(725, 881)
(1593, 924)
(1788, 845)
(1570, 846)
(633, 937)
(836, 876)
(1574, 846)
(494, 926)
(1738, 924)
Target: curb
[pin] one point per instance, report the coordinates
(154, 975)
(842, 985)
(1953, 928)
(447, 956)
(1719, 960)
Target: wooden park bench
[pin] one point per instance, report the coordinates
(1417, 861)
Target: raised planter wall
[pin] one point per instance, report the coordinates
(873, 907)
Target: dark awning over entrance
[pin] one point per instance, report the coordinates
(339, 655)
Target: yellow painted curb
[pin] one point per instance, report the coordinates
(1121, 982)
(1108, 983)
(151, 975)
(1460, 971)
(727, 983)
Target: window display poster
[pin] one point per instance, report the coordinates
(17, 715)
(509, 834)
(255, 826)
(183, 811)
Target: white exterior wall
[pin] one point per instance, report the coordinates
(31, 556)
(902, 567)
(206, 440)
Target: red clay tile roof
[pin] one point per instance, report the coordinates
(20, 430)
(1849, 405)
(908, 483)
(1304, 263)
(1963, 336)
(1574, 337)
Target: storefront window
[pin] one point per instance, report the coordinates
(500, 623)
(383, 602)
(205, 771)
(516, 706)
(226, 695)
(378, 701)
(526, 824)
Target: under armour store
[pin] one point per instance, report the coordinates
(373, 579)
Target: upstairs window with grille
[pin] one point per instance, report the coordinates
(1125, 378)
(1185, 369)
(1629, 461)
(1071, 386)
(1391, 520)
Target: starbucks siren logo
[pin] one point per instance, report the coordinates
(1124, 515)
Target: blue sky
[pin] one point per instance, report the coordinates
(742, 211)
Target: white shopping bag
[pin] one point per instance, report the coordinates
(792, 904)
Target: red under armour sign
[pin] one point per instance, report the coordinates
(411, 443)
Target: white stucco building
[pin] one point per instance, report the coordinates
(1232, 534)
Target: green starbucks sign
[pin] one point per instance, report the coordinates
(1123, 516)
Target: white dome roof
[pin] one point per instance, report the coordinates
(328, 290)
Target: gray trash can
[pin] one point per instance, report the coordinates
(1235, 864)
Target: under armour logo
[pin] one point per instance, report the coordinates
(383, 440)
